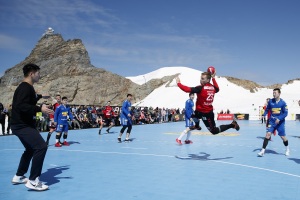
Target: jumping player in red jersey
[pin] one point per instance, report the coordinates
(52, 126)
(108, 116)
(205, 97)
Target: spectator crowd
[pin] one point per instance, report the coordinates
(93, 116)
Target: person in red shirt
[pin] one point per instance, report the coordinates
(52, 126)
(108, 116)
(204, 104)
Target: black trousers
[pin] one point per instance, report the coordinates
(35, 150)
(8, 125)
(2, 122)
(209, 121)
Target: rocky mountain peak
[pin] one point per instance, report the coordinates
(66, 69)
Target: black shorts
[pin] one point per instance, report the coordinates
(207, 118)
(108, 121)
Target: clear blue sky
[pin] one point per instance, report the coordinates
(258, 40)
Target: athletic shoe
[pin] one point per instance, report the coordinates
(188, 142)
(119, 140)
(178, 141)
(58, 144)
(19, 180)
(261, 153)
(36, 185)
(99, 132)
(236, 125)
(287, 152)
(199, 128)
(127, 140)
(107, 130)
(66, 143)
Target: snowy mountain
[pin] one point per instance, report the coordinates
(231, 96)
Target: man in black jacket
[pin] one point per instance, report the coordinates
(24, 111)
(2, 118)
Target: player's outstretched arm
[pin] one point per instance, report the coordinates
(46, 110)
(182, 87)
(215, 84)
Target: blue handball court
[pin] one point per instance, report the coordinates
(154, 166)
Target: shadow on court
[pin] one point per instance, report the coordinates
(259, 137)
(50, 176)
(73, 142)
(295, 136)
(201, 156)
(296, 160)
(268, 151)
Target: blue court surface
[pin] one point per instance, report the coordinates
(154, 166)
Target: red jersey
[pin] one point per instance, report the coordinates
(108, 112)
(51, 116)
(269, 112)
(205, 95)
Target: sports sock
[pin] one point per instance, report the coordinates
(48, 136)
(57, 138)
(226, 127)
(265, 143)
(182, 134)
(188, 135)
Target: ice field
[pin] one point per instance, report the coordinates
(154, 166)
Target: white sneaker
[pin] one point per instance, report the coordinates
(287, 152)
(36, 185)
(261, 153)
(19, 180)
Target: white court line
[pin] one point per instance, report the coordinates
(132, 148)
(170, 156)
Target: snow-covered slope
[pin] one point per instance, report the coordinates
(231, 96)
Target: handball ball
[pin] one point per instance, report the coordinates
(211, 70)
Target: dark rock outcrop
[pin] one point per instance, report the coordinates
(66, 70)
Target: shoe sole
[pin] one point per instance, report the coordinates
(18, 183)
(35, 189)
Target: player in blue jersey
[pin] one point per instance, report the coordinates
(279, 111)
(61, 115)
(189, 122)
(125, 118)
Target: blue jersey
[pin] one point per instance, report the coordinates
(189, 104)
(278, 110)
(126, 109)
(61, 115)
